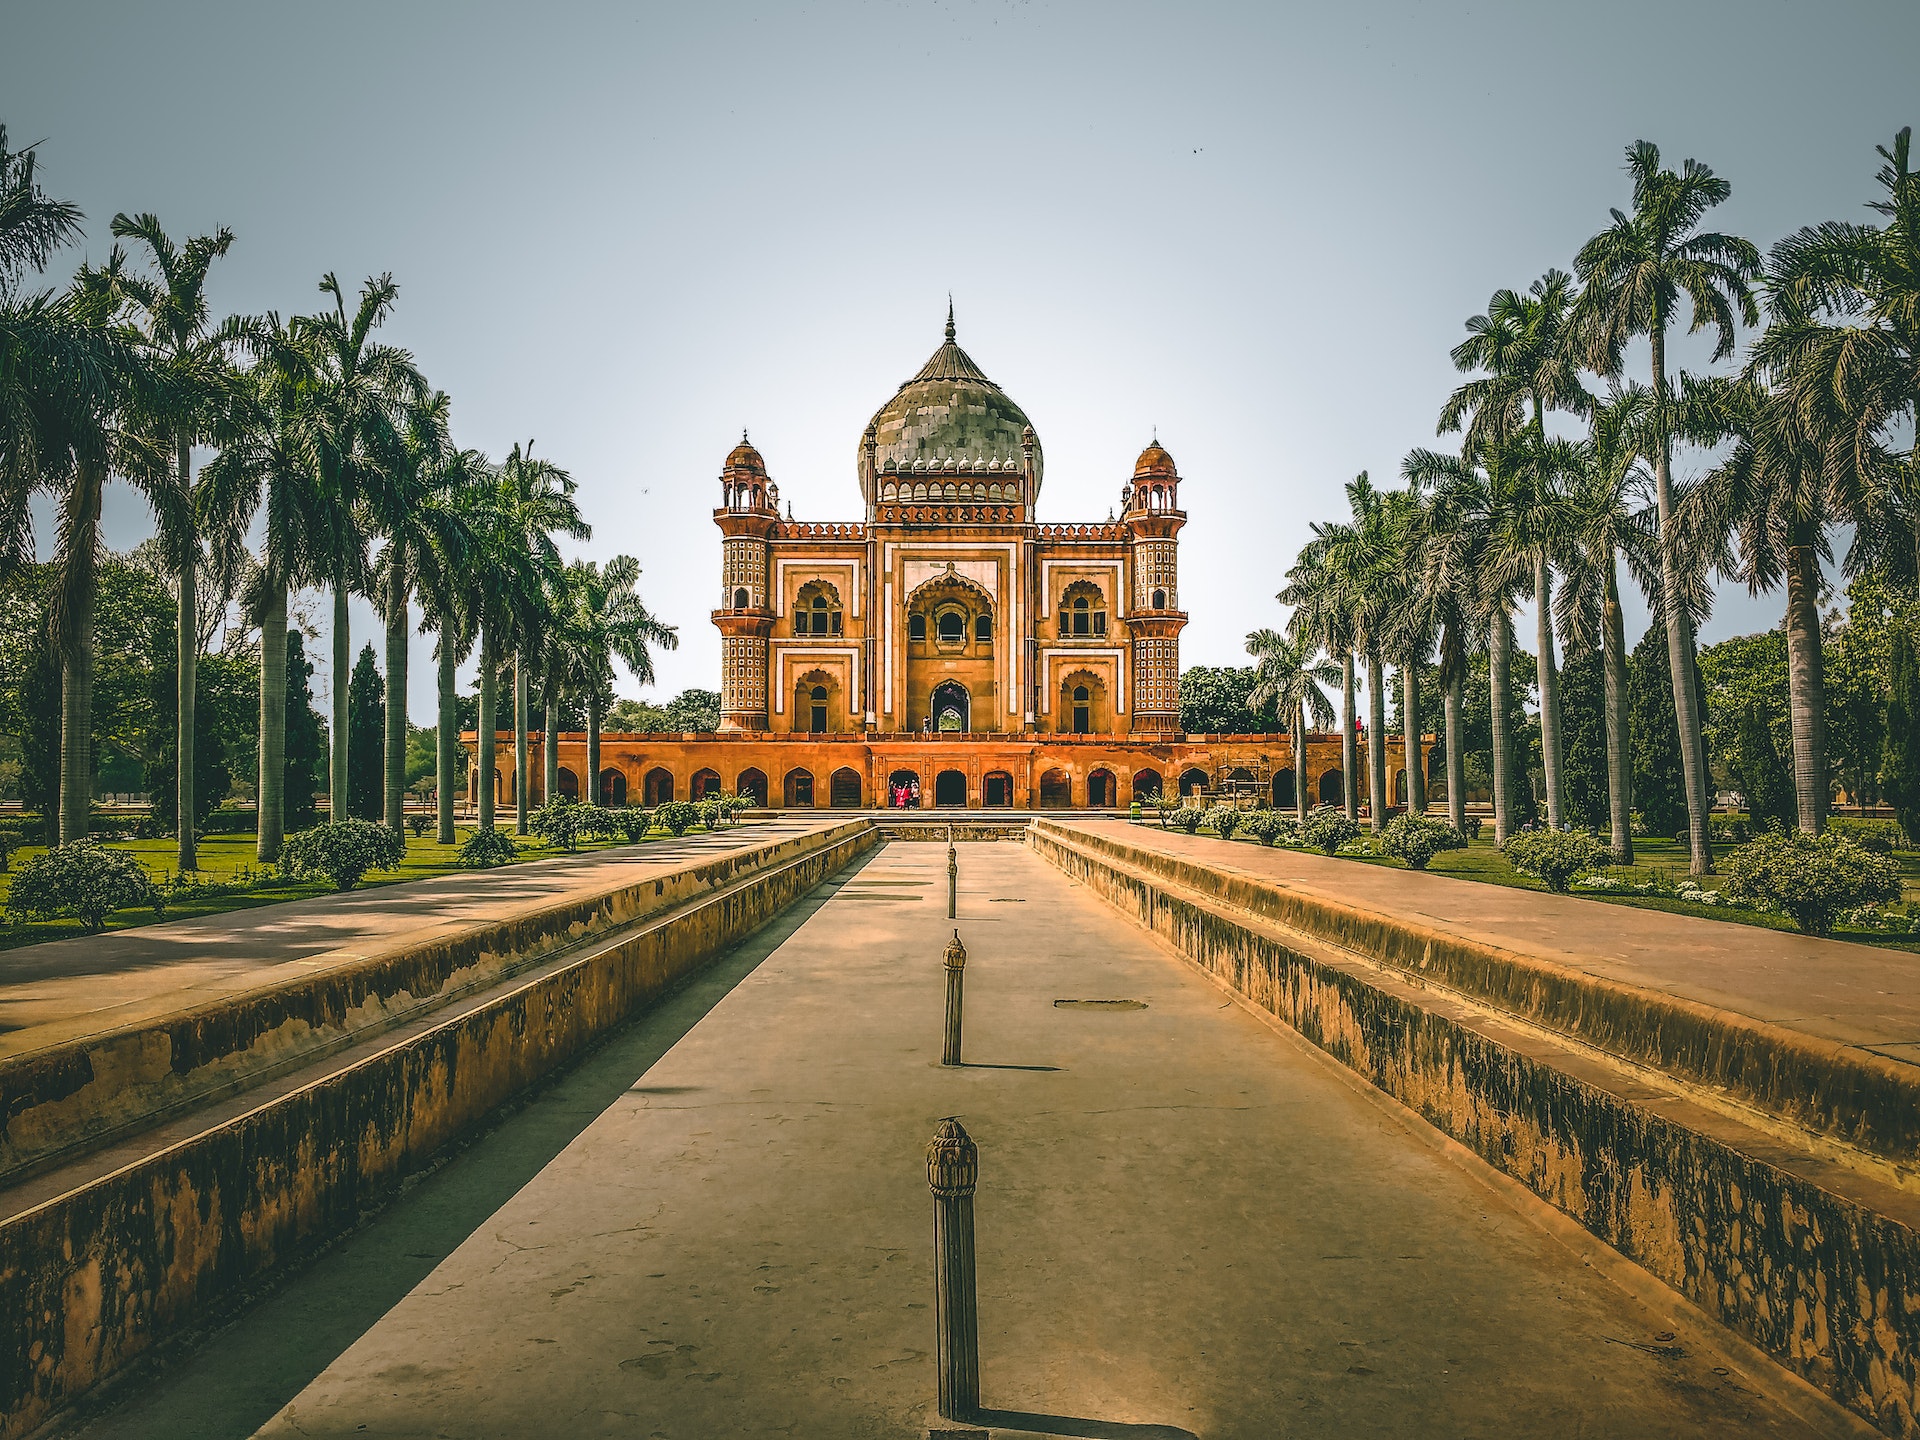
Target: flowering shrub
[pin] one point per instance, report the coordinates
(1415, 839)
(83, 879)
(1223, 820)
(633, 822)
(677, 816)
(486, 848)
(1813, 878)
(1186, 817)
(1328, 829)
(558, 823)
(343, 851)
(1269, 826)
(1555, 857)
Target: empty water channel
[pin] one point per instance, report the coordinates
(1189, 1224)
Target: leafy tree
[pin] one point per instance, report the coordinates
(1900, 773)
(1858, 647)
(1737, 675)
(220, 748)
(303, 767)
(1216, 700)
(694, 711)
(1763, 775)
(639, 717)
(366, 738)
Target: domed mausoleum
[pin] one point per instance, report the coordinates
(948, 647)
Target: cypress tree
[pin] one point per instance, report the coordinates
(366, 739)
(306, 748)
(1900, 769)
(1583, 724)
(1659, 788)
(1763, 775)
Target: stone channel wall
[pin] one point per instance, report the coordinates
(95, 1276)
(1815, 1262)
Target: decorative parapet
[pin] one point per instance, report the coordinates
(1107, 530)
(820, 530)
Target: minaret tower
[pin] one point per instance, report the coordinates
(749, 510)
(1153, 518)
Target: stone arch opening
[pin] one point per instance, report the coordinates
(1333, 788)
(613, 788)
(816, 703)
(950, 788)
(1146, 785)
(997, 788)
(1083, 611)
(843, 789)
(1056, 790)
(816, 610)
(752, 782)
(659, 787)
(742, 600)
(1102, 790)
(1283, 797)
(1192, 780)
(569, 784)
(950, 708)
(903, 790)
(1083, 707)
(796, 790)
(705, 783)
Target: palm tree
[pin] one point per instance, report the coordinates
(1323, 613)
(442, 566)
(530, 501)
(1287, 676)
(1445, 567)
(1607, 501)
(1360, 555)
(606, 621)
(417, 503)
(1636, 273)
(1845, 336)
(170, 320)
(1410, 631)
(1521, 342)
(266, 459)
(359, 392)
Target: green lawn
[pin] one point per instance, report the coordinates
(1482, 861)
(227, 858)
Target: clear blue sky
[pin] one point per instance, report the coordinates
(627, 231)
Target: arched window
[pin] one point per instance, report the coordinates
(953, 627)
(1159, 599)
(916, 626)
(1082, 710)
(816, 610)
(741, 599)
(1083, 611)
(818, 700)
(983, 628)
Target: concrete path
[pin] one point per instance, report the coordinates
(51, 992)
(1849, 994)
(1189, 1225)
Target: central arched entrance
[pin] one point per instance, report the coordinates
(951, 707)
(950, 788)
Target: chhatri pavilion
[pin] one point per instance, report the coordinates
(948, 648)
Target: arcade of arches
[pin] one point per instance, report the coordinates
(805, 770)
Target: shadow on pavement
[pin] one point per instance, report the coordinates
(1035, 1424)
(236, 1377)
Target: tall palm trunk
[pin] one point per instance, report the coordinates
(1806, 686)
(520, 705)
(1613, 654)
(1500, 689)
(271, 788)
(396, 811)
(1549, 675)
(80, 589)
(1349, 758)
(1680, 656)
(593, 747)
(187, 679)
(1456, 762)
(446, 737)
(1376, 744)
(1300, 763)
(550, 746)
(486, 750)
(1410, 725)
(342, 670)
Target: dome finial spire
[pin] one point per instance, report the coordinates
(949, 317)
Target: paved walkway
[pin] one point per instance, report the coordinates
(51, 992)
(1189, 1225)
(1860, 995)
